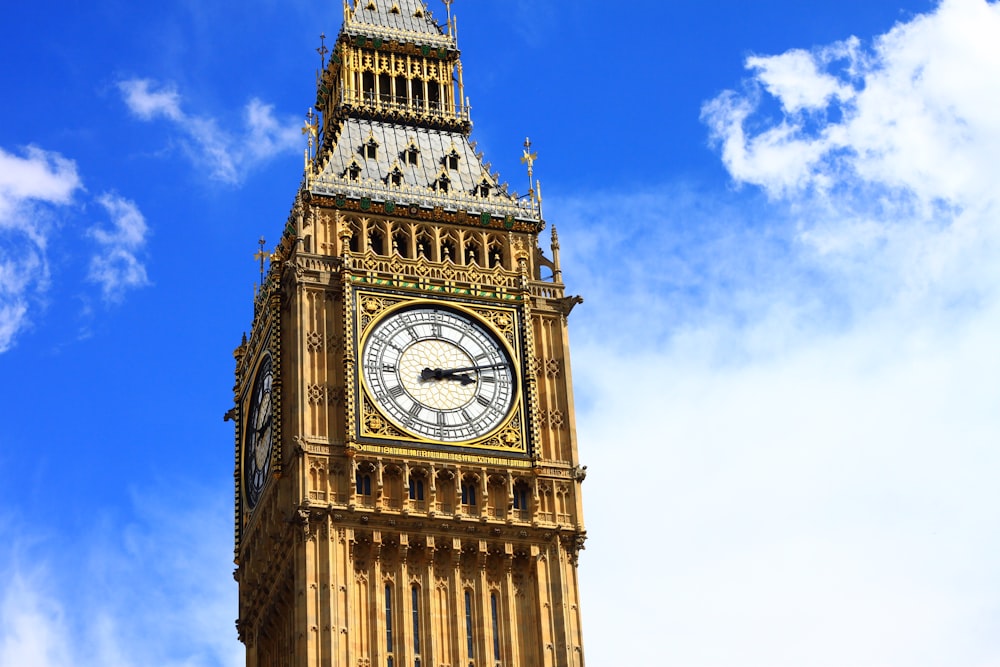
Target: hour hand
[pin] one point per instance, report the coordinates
(431, 374)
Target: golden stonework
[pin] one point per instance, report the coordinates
(407, 480)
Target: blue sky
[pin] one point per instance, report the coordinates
(782, 215)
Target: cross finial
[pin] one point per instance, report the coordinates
(261, 255)
(322, 50)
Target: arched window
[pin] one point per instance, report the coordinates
(468, 493)
(447, 251)
(353, 170)
(376, 242)
(494, 611)
(496, 256)
(417, 93)
(385, 88)
(363, 485)
(483, 189)
(423, 245)
(396, 176)
(470, 645)
(370, 150)
(443, 182)
(415, 599)
(521, 496)
(388, 625)
(412, 154)
(433, 95)
(401, 244)
(471, 256)
(401, 90)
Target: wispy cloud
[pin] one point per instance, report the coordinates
(117, 266)
(34, 187)
(176, 610)
(30, 186)
(33, 625)
(227, 156)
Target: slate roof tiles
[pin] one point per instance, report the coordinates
(379, 18)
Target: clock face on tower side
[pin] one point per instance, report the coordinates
(439, 373)
(258, 434)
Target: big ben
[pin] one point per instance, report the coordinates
(408, 487)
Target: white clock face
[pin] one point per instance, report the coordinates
(439, 373)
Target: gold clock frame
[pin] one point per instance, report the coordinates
(376, 430)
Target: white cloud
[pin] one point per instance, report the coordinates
(116, 267)
(795, 80)
(29, 187)
(834, 505)
(797, 414)
(148, 104)
(911, 115)
(227, 156)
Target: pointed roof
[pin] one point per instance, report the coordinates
(403, 20)
(441, 156)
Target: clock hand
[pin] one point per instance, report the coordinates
(446, 373)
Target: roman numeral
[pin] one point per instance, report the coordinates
(415, 410)
(482, 401)
(487, 378)
(388, 368)
(398, 391)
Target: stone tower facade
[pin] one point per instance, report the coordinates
(407, 477)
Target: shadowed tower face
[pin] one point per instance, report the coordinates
(407, 478)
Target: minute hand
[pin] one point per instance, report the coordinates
(443, 373)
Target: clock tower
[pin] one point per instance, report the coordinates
(407, 477)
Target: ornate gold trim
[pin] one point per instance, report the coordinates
(511, 435)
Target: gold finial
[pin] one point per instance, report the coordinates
(311, 129)
(447, 4)
(261, 255)
(529, 159)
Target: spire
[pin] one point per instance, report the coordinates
(395, 122)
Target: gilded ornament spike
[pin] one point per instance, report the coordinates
(261, 255)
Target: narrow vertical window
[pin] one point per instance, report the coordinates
(388, 625)
(363, 486)
(496, 626)
(416, 489)
(415, 594)
(520, 498)
(468, 493)
(468, 624)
